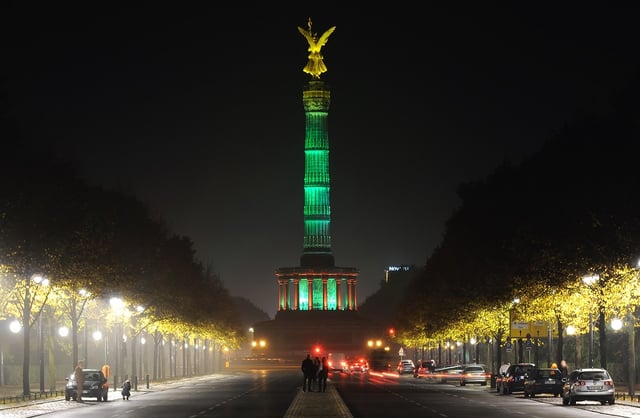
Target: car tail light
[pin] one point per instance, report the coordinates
(608, 382)
(581, 383)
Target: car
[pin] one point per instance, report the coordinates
(358, 367)
(95, 386)
(338, 362)
(591, 384)
(448, 374)
(543, 380)
(405, 367)
(474, 374)
(513, 379)
(425, 368)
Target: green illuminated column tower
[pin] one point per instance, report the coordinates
(317, 284)
(317, 208)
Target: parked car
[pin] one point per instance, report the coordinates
(474, 374)
(513, 379)
(543, 380)
(94, 386)
(405, 367)
(593, 384)
(448, 374)
(425, 368)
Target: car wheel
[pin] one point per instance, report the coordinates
(462, 383)
(565, 401)
(612, 400)
(526, 395)
(67, 397)
(533, 395)
(483, 384)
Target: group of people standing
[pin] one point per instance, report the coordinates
(315, 373)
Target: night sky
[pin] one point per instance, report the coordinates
(198, 111)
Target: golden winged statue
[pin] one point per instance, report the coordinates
(315, 66)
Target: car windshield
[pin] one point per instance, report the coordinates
(474, 369)
(597, 375)
(547, 373)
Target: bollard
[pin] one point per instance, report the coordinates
(135, 383)
(147, 379)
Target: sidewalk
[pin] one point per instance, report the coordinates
(327, 404)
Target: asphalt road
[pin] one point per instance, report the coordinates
(277, 393)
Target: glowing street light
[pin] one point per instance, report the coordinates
(616, 324)
(15, 326)
(589, 280)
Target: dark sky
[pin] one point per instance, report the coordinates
(198, 111)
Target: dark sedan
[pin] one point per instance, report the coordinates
(543, 380)
(513, 379)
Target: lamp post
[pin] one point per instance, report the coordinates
(252, 343)
(41, 351)
(514, 302)
(589, 280)
(117, 305)
(97, 336)
(14, 327)
(571, 330)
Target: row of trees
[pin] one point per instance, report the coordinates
(104, 242)
(532, 232)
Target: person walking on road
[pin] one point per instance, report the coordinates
(308, 372)
(126, 390)
(564, 369)
(323, 373)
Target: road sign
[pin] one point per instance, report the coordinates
(539, 329)
(508, 347)
(519, 329)
(401, 352)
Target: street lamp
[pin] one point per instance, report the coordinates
(616, 324)
(510, 347)
(117, 305)
(589, 280)
(97, 336)
(14, 327)
(571, 330)
(42, 281)
(85, 295)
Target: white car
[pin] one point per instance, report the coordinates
(589, 385)
(405, 366)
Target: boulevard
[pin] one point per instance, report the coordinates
(272, 392)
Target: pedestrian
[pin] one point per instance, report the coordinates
(126, 390)
(564, 369)
(307, 371)
(323, 374)
(316, 369)
(504, 368)
(78, 375)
